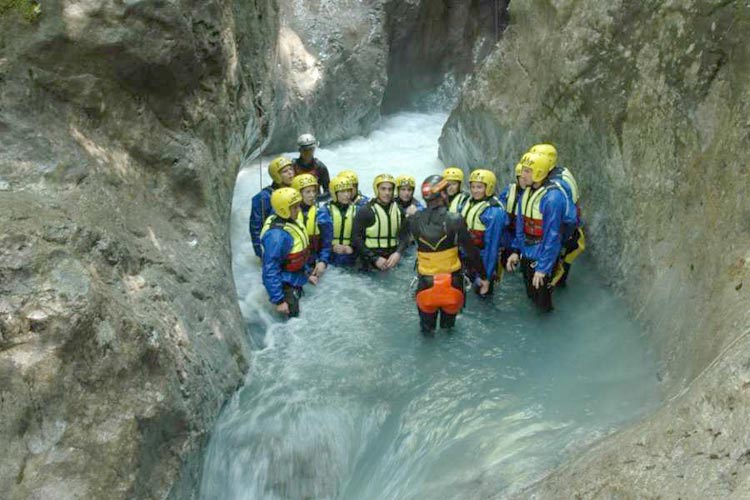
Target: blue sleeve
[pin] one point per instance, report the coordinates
(494, 220)
(419, 205)
(503, 196)
(519, 237)
(570, 214)
(325, 223)
(277, 244)
(261, 209)
(553, 209)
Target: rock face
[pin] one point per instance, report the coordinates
(330, 70)
(339, 63)
(435, 45)
(120, 336)
(649, 107)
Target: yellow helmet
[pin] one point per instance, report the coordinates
(453, 174)
(406, 180)
(302, 181)
(283, 199)
(487, 178)
(546, 149)
(340, 183)
(519, 168)
(351, 175)
(276, 166)
(382, 179)
(539, 163)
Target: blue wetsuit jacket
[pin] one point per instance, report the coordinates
(571, 219)
(508, 236)
(336, 259)
(325, 225)
(261, 209)
(546, 251)
(495, 220)
(277, 244)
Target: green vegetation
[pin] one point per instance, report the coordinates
(30, 10)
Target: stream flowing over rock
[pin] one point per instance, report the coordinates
(649, 106)
(123, 125)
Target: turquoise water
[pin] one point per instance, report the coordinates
(349, 401)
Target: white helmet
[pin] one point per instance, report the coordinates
(307, 141)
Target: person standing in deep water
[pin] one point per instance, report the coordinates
(405, 186)
(439, 234)
(457, 198)
(281, 171)
(573, 238)
(316, 222)
(286, 252)
(358, 199)
(379, 236)
(485, 217)
(538, 229)
(509, 199)
(306, 163)
(341, 212)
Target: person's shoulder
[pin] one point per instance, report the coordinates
(493, 202)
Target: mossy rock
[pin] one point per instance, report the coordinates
(30, 10)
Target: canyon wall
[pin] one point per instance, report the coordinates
(648, 105)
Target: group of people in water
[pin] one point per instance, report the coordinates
(306, 221)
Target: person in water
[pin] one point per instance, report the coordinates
(286, 250)
(358, 199)
(405, 185)
(538, 229)
(341, 211)
(306, 163)
(439, 234)
(317, 223)
(573, 239)
(509, 199)
(282, 173)
(485, 217)
(379, 236)
(457, 198)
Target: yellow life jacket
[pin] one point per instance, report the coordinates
(471, 213)
(383, 233)
(533, 222)
(342, 223)
(511, 206)
(310, 223)
(567, 176)
(458, 202)
(300, 252)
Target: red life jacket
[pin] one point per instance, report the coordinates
(300, 252)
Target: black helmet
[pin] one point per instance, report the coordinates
(433, 186)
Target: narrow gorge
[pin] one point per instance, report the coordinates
(124, 125)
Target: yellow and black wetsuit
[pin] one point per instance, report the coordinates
(438, 234)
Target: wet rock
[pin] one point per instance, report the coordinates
(121, 127)
(340, 61)
(648, 107)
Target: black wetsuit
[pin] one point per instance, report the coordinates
(436, 230)
(365, 218)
